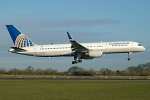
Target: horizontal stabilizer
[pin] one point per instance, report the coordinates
(18, 49)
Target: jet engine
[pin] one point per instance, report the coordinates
(95, 53)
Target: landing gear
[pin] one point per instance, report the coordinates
(76, 61)
(78, 55)
(129, 56)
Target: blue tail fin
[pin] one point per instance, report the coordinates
(19, 39)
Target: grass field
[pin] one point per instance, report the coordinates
(74, 90)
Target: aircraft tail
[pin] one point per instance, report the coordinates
(19, 39)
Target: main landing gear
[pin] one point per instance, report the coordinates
(129, 56)
(76, 61)
(78, 55)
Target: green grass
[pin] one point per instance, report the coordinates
(74, 90)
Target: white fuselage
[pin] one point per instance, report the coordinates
(65, 49)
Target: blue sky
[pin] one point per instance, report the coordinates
(47, 21)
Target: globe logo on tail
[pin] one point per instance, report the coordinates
(22, 41)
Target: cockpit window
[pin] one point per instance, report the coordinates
(139, 45)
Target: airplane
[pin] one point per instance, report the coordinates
(79, 51)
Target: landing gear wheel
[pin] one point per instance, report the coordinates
(73, 62)
(129, 59)
(79, 61)
(76, 61)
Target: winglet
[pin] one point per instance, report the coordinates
(69, 36)
(76, 46)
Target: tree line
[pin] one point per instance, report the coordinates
(29, 71)
(140, 70)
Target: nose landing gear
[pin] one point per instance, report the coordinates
(129, 56)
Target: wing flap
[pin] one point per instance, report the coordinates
(78, 47)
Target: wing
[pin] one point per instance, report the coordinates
(76, 47)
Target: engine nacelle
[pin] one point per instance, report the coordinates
(94, 53)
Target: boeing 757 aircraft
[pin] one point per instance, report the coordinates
(78, 50)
